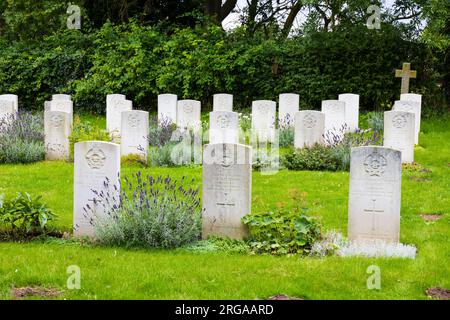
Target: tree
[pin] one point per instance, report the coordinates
(218, 11)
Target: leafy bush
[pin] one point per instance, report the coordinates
(286, 136)
(143, 61)
(24, 215)
(333, 155)
(317, 157)
(152, 212)
(375, 121)
(86, 131)
(22, 138)
(287, 230)
(162, 156)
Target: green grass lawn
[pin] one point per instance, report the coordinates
(108, 273)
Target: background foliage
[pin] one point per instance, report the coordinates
(158, 49)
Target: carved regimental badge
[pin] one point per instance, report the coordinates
(56, 120)
(188, 108)
(375, 164)
(223, 121)
(95, 158)
(309, 121)
(399, 121)
(133, 120)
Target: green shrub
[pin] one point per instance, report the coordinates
(24, 215)
(284, 231)
(286, 137)
(375, 121)
(22, 138)
(153, 212)
(333, 155)
(143, 61)
(317, 157)
(86, 131)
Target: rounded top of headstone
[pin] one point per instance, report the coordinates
(171, 95)
(140, 112)
(61, 96)
(96, 142)
(377, 149)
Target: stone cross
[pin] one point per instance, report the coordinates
(374, 212)
(405, 73)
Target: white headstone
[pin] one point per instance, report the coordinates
(223, 102)
(7, 110)
(411, 97)
(189, 112)
(399, 133)
(11, 97)
(351, 110)
(263, 119)
(288, 107)
(134, 139)
(309, 128)
(115, 105)
(375, 194)
(227, 190)
(167, 108)
(95, 161)
(414, 107)
(61, 96)
(62, 105)
(334, 111)
(57, 129)
(223, 127)
(47, 105)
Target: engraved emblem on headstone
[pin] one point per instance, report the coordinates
(116, 103)
(309, 121)
(133, 120)
(223, 121)
(399, 121)
(375, 164)
(227, 157)
(264, 108)
(56, 147)
(188, 108)
(95, 158)
(56, 121)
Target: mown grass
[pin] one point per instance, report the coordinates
(108, 273)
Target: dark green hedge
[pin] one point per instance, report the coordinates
(142, 62)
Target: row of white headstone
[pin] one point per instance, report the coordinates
(131, 126)
(374, 194)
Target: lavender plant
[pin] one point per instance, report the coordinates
(342, 149)
(286, 132)
(152, 212)
(160, 131)
(22, 138)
